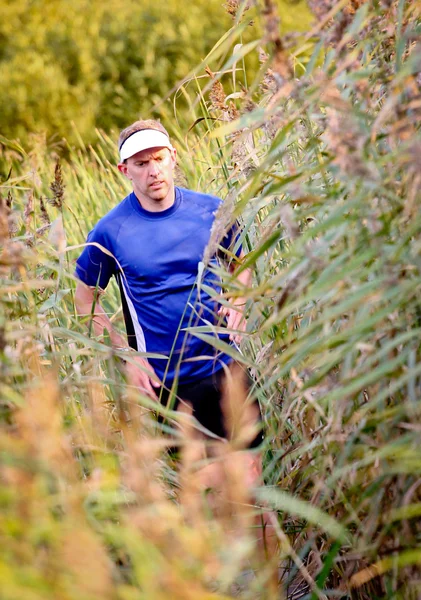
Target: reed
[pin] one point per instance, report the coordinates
(323, 173)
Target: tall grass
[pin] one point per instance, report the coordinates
(324, 174)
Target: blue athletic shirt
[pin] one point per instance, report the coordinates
(155, 257)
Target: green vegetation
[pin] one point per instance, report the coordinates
(324, 173)
(101, 64)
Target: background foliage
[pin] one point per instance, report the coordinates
(324, 173)
(101, 64)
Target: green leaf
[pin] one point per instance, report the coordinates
(222, 346)
(411, 511)
(53, 301)
(279, 500)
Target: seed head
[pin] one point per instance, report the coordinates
(29, 211)
(217, 96)
(232, 7)
(281, 67)
(45, 219)
(346, 142)
(57, 187)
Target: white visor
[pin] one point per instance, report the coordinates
(141, 140)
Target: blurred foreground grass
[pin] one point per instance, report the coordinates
(324, 174)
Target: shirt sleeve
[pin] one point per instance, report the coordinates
(94, 266)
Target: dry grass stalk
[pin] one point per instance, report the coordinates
(180, 534)
(239, 413)
(244, 154)
(346, 142)
(96, 425)
(242, 474)
(142, 464)
(45, 219)
(99, 413)
(57, 235)
(40, 420)
(192, 454)
(13, 258)
(57, 187)
(218, 97)
(87, 571)
(28, 213)
(9, 200)
(220, 226)
(322, 8)
(282, 70)
(269, 83)
(4, 219)
(240, 418)
(73, 561)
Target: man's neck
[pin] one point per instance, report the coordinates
(152, 205)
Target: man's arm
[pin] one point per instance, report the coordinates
(235, 312)
(139, 371)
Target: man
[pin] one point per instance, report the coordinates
(153, 242)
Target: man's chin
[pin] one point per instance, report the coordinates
(159, 194)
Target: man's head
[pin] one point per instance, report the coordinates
(131, 141)
(148, 159)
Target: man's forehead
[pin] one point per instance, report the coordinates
(150, 153)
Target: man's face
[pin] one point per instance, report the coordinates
(151, 173)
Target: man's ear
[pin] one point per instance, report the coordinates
(174, 156)
(122, 167)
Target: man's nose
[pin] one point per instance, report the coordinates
(153, 167)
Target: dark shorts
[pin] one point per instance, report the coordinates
(205, 397)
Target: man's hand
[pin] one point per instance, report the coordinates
(140, 374)
(234, 315)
